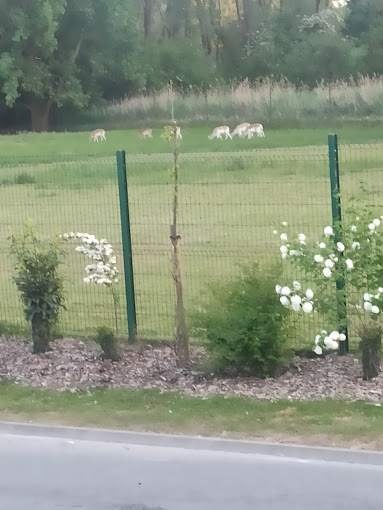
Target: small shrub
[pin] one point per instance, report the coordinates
(6, 182)
(108, 343)
(104, 270)
(39, 284)
(244, 324)
(238, 164)
(24, 178)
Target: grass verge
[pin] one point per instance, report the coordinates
(325, 423)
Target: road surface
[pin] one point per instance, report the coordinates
(49, 473)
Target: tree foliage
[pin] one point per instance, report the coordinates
(64, 52)
(79, 52)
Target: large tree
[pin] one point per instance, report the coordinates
(364, 23)
(148, 17)
(361, 15)
(62, 52)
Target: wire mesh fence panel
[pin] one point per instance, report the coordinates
(361, 185)
(150, 198)
(229, 206)
(59, 197)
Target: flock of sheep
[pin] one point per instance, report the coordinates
(242, 130)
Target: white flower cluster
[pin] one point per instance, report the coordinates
(369, 300)
(372, 226)
(329, 262)
(328, 341)
(104, 270)
(296, 298)
(285, 248)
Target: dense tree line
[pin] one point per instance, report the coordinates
(76, 53)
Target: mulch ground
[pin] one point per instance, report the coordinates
(77, 365)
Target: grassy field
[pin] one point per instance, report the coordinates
(326, 423)
(231, 198)
(72, 146)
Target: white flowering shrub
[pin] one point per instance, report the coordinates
(103, 270)
(356, 260)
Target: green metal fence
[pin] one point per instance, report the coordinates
(60, 197)
(230, 203)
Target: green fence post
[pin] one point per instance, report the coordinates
(127, 246)
(337, 225)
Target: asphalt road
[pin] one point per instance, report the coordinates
(39, 473)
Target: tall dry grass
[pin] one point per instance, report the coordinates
(275, 103)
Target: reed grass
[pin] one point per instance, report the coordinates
(277, 104)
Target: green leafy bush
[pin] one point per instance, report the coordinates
(108, 343)
(25, 178)
(39, 283)
(244, 324)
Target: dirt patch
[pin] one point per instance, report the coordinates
(343, 419)
(289, 411)
(77, 365)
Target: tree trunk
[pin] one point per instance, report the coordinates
(213, 19)
(371, 351)
(246, 26)
(173, 23)
(148, 17)
(39, 108)
(40, 334)
(219, 12)
(188, 21)
(182, 346)
(238, 11)
(219, 21)
(205, 18)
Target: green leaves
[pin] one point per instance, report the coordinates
(65, 51)
(37, 277)
(244, 322)
(10, 75)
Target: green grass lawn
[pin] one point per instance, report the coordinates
(326, 423)
(230, 202)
